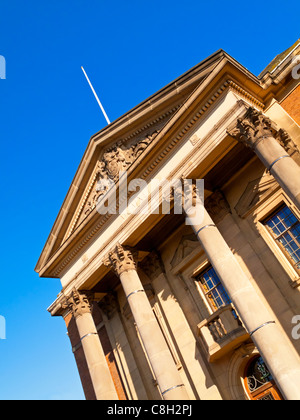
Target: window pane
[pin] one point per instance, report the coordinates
(288, 217)
(209, 284)
(276, 225)
(286, 230)
(223, 294)
(295, 230)
(258, 374)
(214, 289)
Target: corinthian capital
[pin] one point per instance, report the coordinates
(121, 260)
(285, 140)
(252, 127)
(79, 302)
(152, 265)
(191, 194)
(217, 206)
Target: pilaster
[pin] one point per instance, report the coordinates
(217, 206)
(152, 265)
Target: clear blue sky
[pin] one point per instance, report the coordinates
(130, 49)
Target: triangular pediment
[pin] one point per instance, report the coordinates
(185, 249)
(255, 193)
(138, 141)
(116, 147)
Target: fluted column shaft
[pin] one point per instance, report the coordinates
(93, 351)
(160, 358)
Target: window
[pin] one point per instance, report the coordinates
(285, 229)
(259, 382)
(213, 289)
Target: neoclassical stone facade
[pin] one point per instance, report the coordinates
(178, 305)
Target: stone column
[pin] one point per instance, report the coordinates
(273, 148)
(162, 363)
(281, 358)
(100, 375)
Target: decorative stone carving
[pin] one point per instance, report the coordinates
(121, 259)
(255, 126)
(252, 128)
(115, 159)
(255, 193)
(100, 186)
(285, 140)
(217, 206)
(152, 265)
(186, 246)
(79, 302)
(120, 156)
(186, 195)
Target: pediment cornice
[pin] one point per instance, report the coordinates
(256, 192)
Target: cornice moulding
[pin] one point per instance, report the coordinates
(283, 69)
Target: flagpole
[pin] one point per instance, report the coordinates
(95, 94)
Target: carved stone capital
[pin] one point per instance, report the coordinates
(217, 206)
(189, 194)
(252, 128)
(79, 302)
(285, 140)
(121, 259)
(255, 126)
(152, 265)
